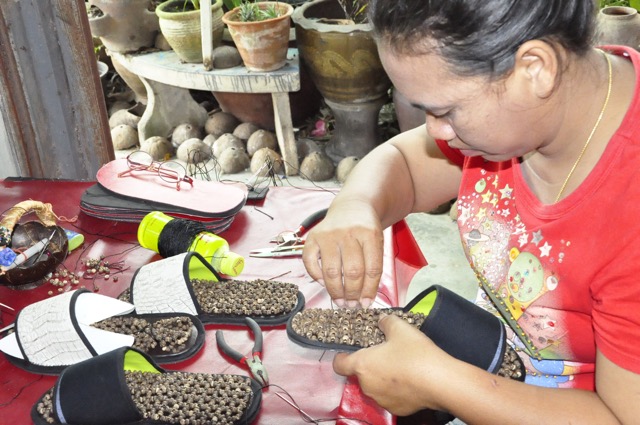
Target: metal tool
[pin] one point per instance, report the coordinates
(254, 363)
(290, 243)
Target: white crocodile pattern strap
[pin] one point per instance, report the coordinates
(47, 335)
(161, 287)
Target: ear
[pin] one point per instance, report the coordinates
(537, 65)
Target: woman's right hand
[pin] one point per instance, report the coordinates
(344, 253)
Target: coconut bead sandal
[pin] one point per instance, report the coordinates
(188, 283)
(125, 387)
(456, 325)
(60, 331)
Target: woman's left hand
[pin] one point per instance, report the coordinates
(403, 373)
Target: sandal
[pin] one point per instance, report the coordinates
(456, 325)
(60, 331)
(125, 387)
(188, 283)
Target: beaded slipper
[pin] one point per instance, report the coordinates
(60, 331)
(125, 387)
(187, 283)
(459, 327)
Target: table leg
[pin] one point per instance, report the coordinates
(167, 107)
(284, 132)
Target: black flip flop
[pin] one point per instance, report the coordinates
(125, 387)
(456, 325)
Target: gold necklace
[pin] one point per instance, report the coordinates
(593, 130)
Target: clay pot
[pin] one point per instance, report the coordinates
(263, 44)
(618, 25)
(257, 108)
(342, 58)
(182, 30)
(126, 26)
(343, 62)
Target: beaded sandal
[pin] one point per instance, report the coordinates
(188, 283)
(456, 325)
(60, 331)
(125, 387)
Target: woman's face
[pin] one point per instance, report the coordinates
(497, 120)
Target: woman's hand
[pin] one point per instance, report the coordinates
(344, 253)
(403, 373)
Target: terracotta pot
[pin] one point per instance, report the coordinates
(183, 32)
(618, 25)
(126, 26)
(263, 44)
(257, 108)
(343, 62)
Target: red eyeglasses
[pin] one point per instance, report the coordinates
(169, 171)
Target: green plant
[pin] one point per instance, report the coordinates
(605, 3)
(355, 10)
(251, 12)
(194, 3)
(232, 4)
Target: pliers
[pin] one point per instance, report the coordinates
(256, 368)
(290, 243)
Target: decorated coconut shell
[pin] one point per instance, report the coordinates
(18, 237)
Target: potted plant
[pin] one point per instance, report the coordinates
(336, 45)
(260, 32)
(181, 27)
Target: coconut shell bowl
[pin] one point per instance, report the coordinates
(19, 237)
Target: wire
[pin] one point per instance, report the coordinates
(305, 416)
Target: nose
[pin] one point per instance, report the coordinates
(440, 128)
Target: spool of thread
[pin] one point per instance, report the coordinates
(170, 236)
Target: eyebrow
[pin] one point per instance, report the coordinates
(430, 109)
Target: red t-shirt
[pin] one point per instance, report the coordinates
(566, 276)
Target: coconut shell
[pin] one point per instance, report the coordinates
(261, 139)
(124, 137)
(265, 160)
(32, 273)
(123, 116)
(317, 167)
(184, 132)
(193, 151)
(225, 142)
(345, 166)
(161, 43)
(226, 57)
(233, 160)
(306, 147)
(158, 147)
(220, 123)
(245, 130)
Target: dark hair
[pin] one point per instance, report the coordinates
(481, 37)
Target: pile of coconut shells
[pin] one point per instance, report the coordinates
(226, 146)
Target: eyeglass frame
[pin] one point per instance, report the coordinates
(156, 166)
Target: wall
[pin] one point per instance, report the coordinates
(7, 166)
(51, 99)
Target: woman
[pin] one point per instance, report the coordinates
(535, 132)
